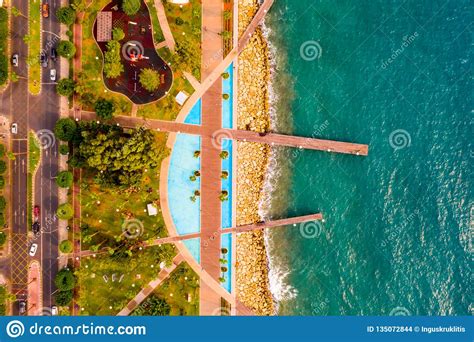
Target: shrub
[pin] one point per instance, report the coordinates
(3, 15)
(3, 238)
(65, 129)
(63, 298)
(224, 155)
(64, 149)
(2, 182)
(64, 179)
(225, 96)
(2, 150)
(3, 69)
(3, 166)
(65, 280)
(105, 109)
(2, 220)
(3, 203)
(65, 211)
(117, 33)
(66, 49)
(113, 66)
(225, 75)
(149, 79)
(65, 246)
(131, 7)
(179, 21)
(65, 87)
(66, 15)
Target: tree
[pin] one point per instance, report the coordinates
(149, 79)
(227, 15)
(17, 13)
(113, 66)
(3, 238)
(65, 129)
(105, 109)
(66, 246)
(153, 306)
(66, 15)
(64, 149)
(66, 49)
(65, 280)
(3, 203)
(65, 87)
(2, 182)
(2, 150)
(120, 158)
(65, 211)
(3, 166)
(64, 179)
(3, 15)
(131, 7)
(117, 33)
(63, 298)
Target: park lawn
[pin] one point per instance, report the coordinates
(105, 209)
(4, 54)
(34, 48)
(182, 282)
(187, 32)
(34, 156)
(103, 296)
(157, 32)
(92, 60)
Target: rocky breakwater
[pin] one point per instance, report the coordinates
(253, 114)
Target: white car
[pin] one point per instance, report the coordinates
(14, 128)
(33, 249)
(52, 75)
(54, 310)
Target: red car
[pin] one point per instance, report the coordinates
(36, 211)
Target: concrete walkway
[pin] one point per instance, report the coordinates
(165, 27)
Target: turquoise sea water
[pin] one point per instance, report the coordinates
(394, 75)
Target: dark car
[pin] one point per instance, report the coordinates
(54, 54)
(21, 307)
(36, 227)
(44, 59)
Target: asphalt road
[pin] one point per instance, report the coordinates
(37, 113)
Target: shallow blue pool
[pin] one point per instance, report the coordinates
(194, 116)
(184, 212)
(227, 105)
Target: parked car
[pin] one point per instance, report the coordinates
(44, 59)
(14, 128)
(36, 211)
(21, 307)
(33, 249)
(15, 59)
(54, 310)
(45, 10)
(36, 227)
(52, 75)
(54, 54)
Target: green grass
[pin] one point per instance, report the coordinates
(182, 282)
(157, 32)
(34, 155)
(34, 48)
(100, 297)
(188, 33)
(4, 55)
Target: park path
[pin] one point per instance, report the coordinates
(152, 285)
(165, 27)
